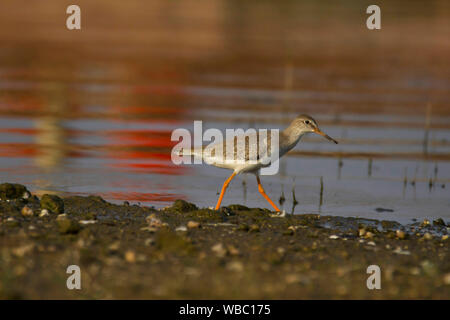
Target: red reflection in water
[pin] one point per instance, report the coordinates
(160, 168)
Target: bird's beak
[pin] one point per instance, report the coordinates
(323, 134)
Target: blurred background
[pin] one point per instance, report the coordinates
(91, 111)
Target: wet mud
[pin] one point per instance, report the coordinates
(182, 251)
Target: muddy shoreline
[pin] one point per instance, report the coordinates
(183, 252)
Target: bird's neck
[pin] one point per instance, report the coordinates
(290, 137)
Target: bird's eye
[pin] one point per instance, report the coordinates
(307, 121)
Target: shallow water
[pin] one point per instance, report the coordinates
(92, 111)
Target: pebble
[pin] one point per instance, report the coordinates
(371, 243)
(400, 234)
(61, 216)
(361, 232)
(154, 222)
(369, 235)
(149, 241)
(236, 266)
(233, 250)
(428, 267)
(193, 224)
(425, 223)
(52, 203)
(88, 221)
(181, 228)
(333, 237)
(292, 278)
(114, 247)
(447, 278)
(399, 250)
(439, 222)
(27, 212)
(22, 250)
(427, 236)
(44, 212)
(219, 250)
(130, 256)
(66, 226)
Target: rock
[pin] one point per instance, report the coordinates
(369, 235)
(44, 212)
(399, 250)
(427, 236)
(439, 222)
(444, 237)
(333, 237)
(361, 232)
(27, 211)
(292, 278)
(371, 243)
(22, 250)
(254, 228)
(183, 206)
(52, 203)
(428, 268)
(235, 266)
(68, 226)
(149, 242)
(425, 223)
(243, 227)
(193, 224)
(114, 247)
(10, 191)
(181, 229)
(447, 278)
(400, 234)
(85, 222)
(130, 256)
(238, 207)
(154, 222)
(232, 250)
(219, 250)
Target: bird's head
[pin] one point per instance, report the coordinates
(306, 124)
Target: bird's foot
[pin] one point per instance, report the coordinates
(279, 214)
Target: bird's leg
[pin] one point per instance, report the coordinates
(224, 188)
(261, 190)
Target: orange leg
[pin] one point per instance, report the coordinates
(224, 188)
(261, 190)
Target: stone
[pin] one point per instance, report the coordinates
(27, 211)
(130, 256)
(183, 206)
(400, 234)
(193, 224)
(427, 236)
(52, 203)
(235, 266)
(10, 191)
(44, 213)
(68, 226)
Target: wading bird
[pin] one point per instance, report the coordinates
(256, 152)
